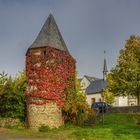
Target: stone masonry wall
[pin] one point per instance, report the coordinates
(127, 109)
(48, 114)
(7, 122)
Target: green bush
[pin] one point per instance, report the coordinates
(12, 102)
(19, 126)
(44, 128)
(76, 109)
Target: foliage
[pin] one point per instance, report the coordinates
(19, 126)
(124, 78)
(12, 102)
(3, 78)
(108, 96)
(44, 128)
(49, 74)
(75, 109)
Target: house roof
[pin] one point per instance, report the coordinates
(50, 36)
(90, 78)
(96, 86)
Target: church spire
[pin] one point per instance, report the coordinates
(50, 36)
(104, 67)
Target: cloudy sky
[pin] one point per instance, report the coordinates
(88, 27)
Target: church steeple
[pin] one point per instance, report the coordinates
(104, 67)
(50, 36)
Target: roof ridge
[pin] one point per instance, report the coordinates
(91, 78)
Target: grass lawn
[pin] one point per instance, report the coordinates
(117, 126)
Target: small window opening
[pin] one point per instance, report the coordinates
(93, 100)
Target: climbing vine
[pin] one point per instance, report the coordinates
(49, 73)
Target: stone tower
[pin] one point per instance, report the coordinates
(50, 69)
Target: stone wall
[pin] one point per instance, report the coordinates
(7, 122)
(127, 109)
(47, 114)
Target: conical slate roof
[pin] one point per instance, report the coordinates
(50, 36)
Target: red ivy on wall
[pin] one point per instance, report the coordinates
(49, 74)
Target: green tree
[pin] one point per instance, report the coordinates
(108, 96)
(76, 109)
(124, 78)
(3, 78)
(12, 103)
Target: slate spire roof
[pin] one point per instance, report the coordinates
(105, 66)
(50, 36)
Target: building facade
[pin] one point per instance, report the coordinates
(94, 89)
(125, 101)
(85, 82)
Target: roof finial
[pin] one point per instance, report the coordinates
(104, 54)
(51, 11)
